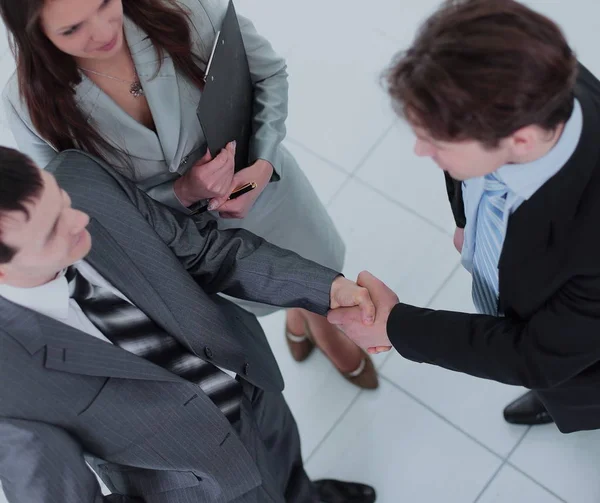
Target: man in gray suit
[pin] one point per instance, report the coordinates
(122, 354)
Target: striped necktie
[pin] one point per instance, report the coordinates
(489, 237)
(128, 327)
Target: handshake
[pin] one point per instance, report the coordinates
(361, 311)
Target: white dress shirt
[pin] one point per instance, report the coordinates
(54, 300)
(522, 180)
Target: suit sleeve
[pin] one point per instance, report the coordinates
(43, 464)
(558, 343)
(235, 261)
(269, 75)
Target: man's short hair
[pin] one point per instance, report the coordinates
(20, 182)
(483, 69)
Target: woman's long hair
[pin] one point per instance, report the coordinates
(47, 77)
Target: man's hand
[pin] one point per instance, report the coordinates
(347, 294)
(459, 239)
(260, 173)
(349, 320)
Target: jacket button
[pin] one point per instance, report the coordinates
(208, 352)
(246, 368)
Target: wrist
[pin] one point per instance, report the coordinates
(266, 168)
(181, 192)
(335, 285)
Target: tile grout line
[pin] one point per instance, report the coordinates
(335, 195)
(505, 461)
(352, 176)
(444, 284)
(502, 465)
(404, 207)
(373, 147)
(536, 482)
(308, 150)
(333, 427)
(440, 416)
(427, 304)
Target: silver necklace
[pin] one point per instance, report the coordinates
(135, 87)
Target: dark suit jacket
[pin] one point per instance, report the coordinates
(549, 277)
(150, 433)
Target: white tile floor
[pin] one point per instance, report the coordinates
(427, 435)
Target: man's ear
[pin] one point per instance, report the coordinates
(524, 141)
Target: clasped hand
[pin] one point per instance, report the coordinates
(215, 179)
(361, 311)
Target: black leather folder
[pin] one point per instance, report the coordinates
(226, 105)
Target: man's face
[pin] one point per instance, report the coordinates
(462, 159)
(52, 238)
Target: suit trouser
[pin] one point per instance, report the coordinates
(270, 434)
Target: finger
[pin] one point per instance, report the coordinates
(229, 206)
(216, 202)
(229, 215)
(205, 158)
(224, 160)
(239, 205)
(367, 308)
(344, 315)
(375, 286)
(375, 350)
(231, 146)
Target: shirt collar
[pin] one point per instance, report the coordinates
(50, 299)
(525, 179)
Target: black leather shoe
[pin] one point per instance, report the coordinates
(527, 409)
(336, 491)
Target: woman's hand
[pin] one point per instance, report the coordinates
(208, 178)
(260, 173)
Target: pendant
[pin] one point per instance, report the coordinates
(136, 89)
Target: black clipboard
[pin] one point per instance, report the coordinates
(227, 102)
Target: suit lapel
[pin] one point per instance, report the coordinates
(162, 93)
(111, 261)
(71, 350)
(538, 232)
(159, 80)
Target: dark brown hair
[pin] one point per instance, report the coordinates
(20, 182)
(481, 70)
(47, 77)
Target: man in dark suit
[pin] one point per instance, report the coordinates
(123, 352)
(498, 100)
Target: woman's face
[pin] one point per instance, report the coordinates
(85, 29)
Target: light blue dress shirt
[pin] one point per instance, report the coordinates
(522, 180)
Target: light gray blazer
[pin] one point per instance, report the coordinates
(150, 433)
(288, 213)
(173, 101)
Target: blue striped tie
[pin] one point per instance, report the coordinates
(489, 237)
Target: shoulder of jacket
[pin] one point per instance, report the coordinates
(11, 97)
(206, 15)
(10, 93)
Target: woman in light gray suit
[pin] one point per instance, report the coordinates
(122, 79)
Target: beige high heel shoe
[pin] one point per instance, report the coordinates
(301, 346)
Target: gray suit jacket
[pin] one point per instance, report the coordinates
(158, 158)
(150, 434)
